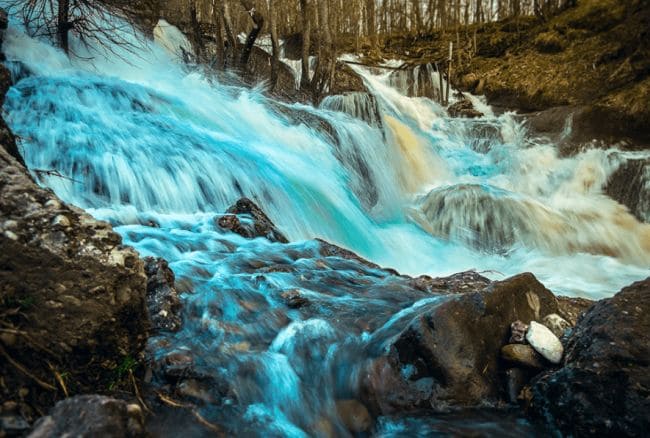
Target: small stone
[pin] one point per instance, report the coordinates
(294, 299)
(545, 342)
(518, 332)
(10, 225)
(61, 220)
(9, 406)
(53, 203)
(522, 354)
(556, 324)
(11, 235)
(354, 415)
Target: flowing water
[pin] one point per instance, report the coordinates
(160, 151)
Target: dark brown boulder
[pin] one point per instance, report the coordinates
(627, 185)
(71, 295)
(89, 416)
(449, 354)
(248, 220)
(163, 302)
(603, 388)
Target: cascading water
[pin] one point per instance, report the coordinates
(160, 153)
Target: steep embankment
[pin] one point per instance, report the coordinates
(592, 61)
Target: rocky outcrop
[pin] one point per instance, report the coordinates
(72, 297)
(91, 416)
(449, 354)
(248, 220)
(603, 387)
(163, 302)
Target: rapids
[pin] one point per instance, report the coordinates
(160, 151)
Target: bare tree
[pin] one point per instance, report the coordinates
(258, 24)
(306, 42)
(92, 21)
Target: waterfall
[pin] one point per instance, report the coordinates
(161, 152)
(138, 136)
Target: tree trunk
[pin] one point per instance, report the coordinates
(326, 60)
(370, 16)
(63, 24)
(275, 60)
(258, 23)
(218, 23)
(197, 38)
(306, 43)
(232, 41)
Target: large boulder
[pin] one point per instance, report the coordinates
(346, 80)
(259, 66)
(87, 416)
(628, 185)
(603, 388)
(72, 297)
(449, 353)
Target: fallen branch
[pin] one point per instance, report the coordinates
(56, 173)
(137, 392)
(213, 427)
(173, 403)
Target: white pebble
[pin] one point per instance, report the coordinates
(544, 342)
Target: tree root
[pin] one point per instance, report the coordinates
(24, 370)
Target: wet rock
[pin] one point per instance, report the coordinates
(518, 332)
(556, 324)
(456, 283)
(628, 186)
(294, 299)
(448, 355)
(346, 80)
(175, 364)
(74, 292)
(327, 249)
(248, 220)
(13, 425)
(542, 339)
(163, 302)
(516, 379)
(354, 415)
(571, 308)
(91, 416)
(522, 355)
(464, 108)
(602, 390)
